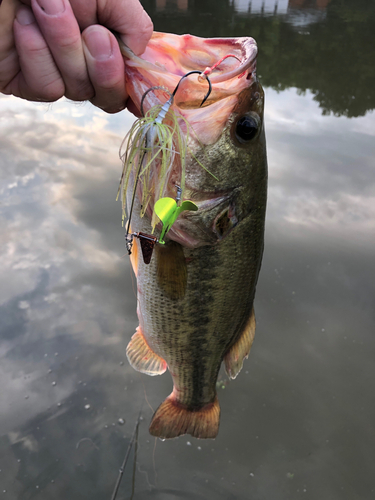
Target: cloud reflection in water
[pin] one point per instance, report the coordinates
(67, 308)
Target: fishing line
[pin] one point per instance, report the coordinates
(210, 69)
(147, 479)
(154, 463)
(145, 393)
(127, 240)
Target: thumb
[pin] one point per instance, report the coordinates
(130, 20)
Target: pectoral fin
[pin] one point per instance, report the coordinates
(142, 358)
(233, 359)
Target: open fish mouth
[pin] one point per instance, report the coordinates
(168, 57)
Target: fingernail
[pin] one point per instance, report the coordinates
(98, 43)
(24, 16)
(51, 7)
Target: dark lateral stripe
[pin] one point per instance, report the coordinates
(201, 309)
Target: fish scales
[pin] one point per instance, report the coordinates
(195, 297)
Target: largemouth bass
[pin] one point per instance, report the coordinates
(195, 296)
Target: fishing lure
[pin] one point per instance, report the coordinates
(155, 140)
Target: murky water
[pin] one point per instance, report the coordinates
(298, 422)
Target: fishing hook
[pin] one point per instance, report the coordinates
(171, 95)
(199, 73)
(154, 88)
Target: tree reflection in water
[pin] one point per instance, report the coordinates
(308, 44)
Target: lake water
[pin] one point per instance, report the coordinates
(298, 422)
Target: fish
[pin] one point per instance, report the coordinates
(195, 294)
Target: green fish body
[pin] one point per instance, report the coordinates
(195, 297)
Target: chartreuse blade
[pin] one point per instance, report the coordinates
(187, 205)
(167, 210)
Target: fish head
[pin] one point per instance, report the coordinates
(226, 168)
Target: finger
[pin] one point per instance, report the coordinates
(106, 68)
(62, 34)
(9, 66)
(85, 12)
(128, 18)
(39, 78)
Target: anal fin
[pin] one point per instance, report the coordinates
(142, 358)
(173, 419)
(233, 359)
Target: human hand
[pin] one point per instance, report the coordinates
(44, 55)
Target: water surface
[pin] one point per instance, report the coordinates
(298, 422)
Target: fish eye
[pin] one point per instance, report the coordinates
(246, 128)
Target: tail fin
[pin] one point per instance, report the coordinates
(173, 419)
